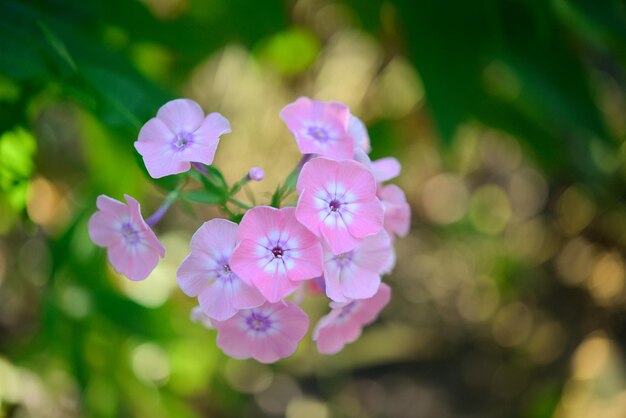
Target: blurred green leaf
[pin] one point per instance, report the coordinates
(204, 196)
(290, 52)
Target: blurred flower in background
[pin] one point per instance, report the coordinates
(508, 120)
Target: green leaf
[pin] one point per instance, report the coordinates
(57, 44)
(204, 196)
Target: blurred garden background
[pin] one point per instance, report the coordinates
(509, 118)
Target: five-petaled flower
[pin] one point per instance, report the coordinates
(133, 248)
(338, 202)
(206, 272)
(356, 274)
(320, 127)
(267, 333)
(275, 252)
(345, 322)
(179, 135)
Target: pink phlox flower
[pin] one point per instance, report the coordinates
(133, 248)
(267, 333)
(383, 169)
(206, 272)
(358, 131)
(345, 322)
(197, 315)
(179, 135)
(320, 127)
(397, 210)
(338, 202)
(275, 252)
(357, 274)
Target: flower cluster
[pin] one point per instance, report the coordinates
(248, 275)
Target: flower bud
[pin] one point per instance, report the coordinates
(256, 174)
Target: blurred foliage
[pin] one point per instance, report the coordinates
(509, 117)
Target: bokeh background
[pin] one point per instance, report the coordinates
(509, 118)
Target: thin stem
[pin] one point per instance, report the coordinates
(162, 210)
(238, 203)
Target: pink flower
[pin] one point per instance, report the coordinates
(345, 322)
(256, 174)
(133, 248)
(338, 202)
(275, 252)
(320, 127)
(397, 210)
(206, 272)
(358, 132)
(356, 274)
(179, 135)
(267, 333)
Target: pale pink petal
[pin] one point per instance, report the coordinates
(332, 337)
(103, 228)
(293, 321)
(310, 213)
(248, 261)
(107, 204)
(370, 308)
(305, 263)
(215, 238)
(336, 234)
(318, 174)
(214, 302)
(375, 253)
(134, 262)
(181, 115)
(359, 283)
(224, 297)
(386, 169)
(200, 153)
(256, 223)
(213, 126)
(358, 132)
(332, 280)
(397, 212)
(359, 182)
(233, 340)
(274, 284)
(365, 218)
(193, 274)
(161, 160)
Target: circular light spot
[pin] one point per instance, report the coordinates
(444, 199)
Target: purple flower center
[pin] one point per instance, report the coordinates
(182, 141)
(334, 205)
(343, 259)
(258, 322)
(278, 252)
(130, 234)
(318, 133)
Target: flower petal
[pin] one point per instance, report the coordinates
(181, 115)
